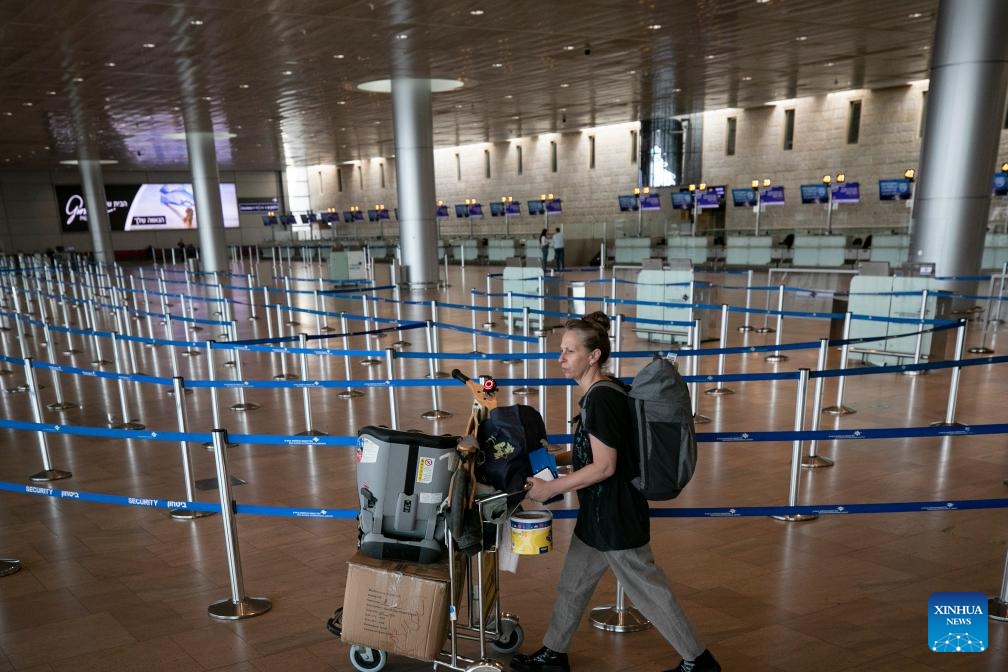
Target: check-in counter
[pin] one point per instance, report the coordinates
(748, 250)
(631, 250)
(898, 297)
(818, 250)
(467, 249)
(666, 286)
(533, 252)
(528, 282)
(892, 249)
(500, 250)
(347, 265)
(694, 248)
(995, 252)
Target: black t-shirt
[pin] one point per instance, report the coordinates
(613, 513)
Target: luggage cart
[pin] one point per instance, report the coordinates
(485, 623)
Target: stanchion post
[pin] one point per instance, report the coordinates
(694, 337)
(367, 361)
(9, 566)
(525, 390)
(922, 314)
(489, 321)
(618, 617)
(617, 342)
(435, 413)
(745, 326)
(796, 451)
(949, 420)
(436, 336)
(178, 385)
(390, 372)
(814, 460)
(60, 404)
(126, 423)
(306, 388)
(777, 356)
(997, 607)
(542, 376)
(349, 392)
(472, 319)
(239, 605)
(722, 344)
(839, 408)
(48, 473)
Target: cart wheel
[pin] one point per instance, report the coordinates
(366, 659)
(335, 624)
(511, 638)
(484, 666)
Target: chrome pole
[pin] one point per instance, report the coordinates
(954, 381)
(306, 388)
(748, 301)
(839, 408)
(796, 450)
(180, 512)
(813, 460)
(390, 372)
(722, 344)
(48, 473)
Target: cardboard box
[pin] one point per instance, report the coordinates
(399, 607)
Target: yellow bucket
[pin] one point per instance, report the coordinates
(532, 532)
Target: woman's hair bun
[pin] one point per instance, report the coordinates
(599, 318)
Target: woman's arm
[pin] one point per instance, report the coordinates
(603, 466)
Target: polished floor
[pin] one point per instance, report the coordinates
(108, 587)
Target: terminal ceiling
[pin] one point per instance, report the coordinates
(280, 77)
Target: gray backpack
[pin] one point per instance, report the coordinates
(666, 449)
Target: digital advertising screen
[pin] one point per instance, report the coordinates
(461, 210)
(554, 206)
(814, 193)
(536, 208)
(847, 192)
(894, 190)
(682, 200)
(496, 209)
(442, 212)
(304, 219)
(709, 198)
(650, 201)
(347, 216)
(772, 195)
(143, 207)
(476, 210)
(1001, 184)
(372, 215)
(269, 220)
(743, 197)
(627, 203)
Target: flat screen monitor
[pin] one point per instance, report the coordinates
(442, 212)
(331, 217)
(512, 208)
(358, 215)
(709, 199)
(536, 208)
(383, 215)
(304, 219)
(847, 192)
(554, 206)
(347, 216)
(814, 193)
(627, 203)
(496, 209)
(894, 190)
(743, 197)
(682, 200)
(476, 210)
(372, 215)
(290, 220)
(269, 220)
(1001, 184)
(312, 217)
(772, 195)
(650, 201)
(461, 210)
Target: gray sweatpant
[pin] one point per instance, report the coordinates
(643, 582)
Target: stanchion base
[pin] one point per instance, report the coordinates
(191, 353)
(996, 609)
(815, 462)
(50, 475)
(185, 391)
(401, 344)
(311, 432)
(247, 406)
(325, 327)
(8, 567)
(981, 351)
(487, 325)
(209, 445)
(746, 327)
(838, 410)
(942, 423)
(435, 414)
(350, 394)
(285, 376)
(230, 363)
(796, 517)
(5, 372)
(292, 323)
(524, 391)
(611, 619)
(130, 424)
(700, 419)
(100, 362)
(17, 388)
(475, 352)
(232, 611)
(75, 351)
(212, 484)
(188, 514)
(765, 330)
(62, 406)
(915, 372)
(719, 391)
(371, 362)
(775, 358)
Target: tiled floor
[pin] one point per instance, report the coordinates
(107, 587)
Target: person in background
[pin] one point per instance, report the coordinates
(613, 522)
(544, 244)
(558, 249)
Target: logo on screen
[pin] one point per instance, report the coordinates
(957, 622)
